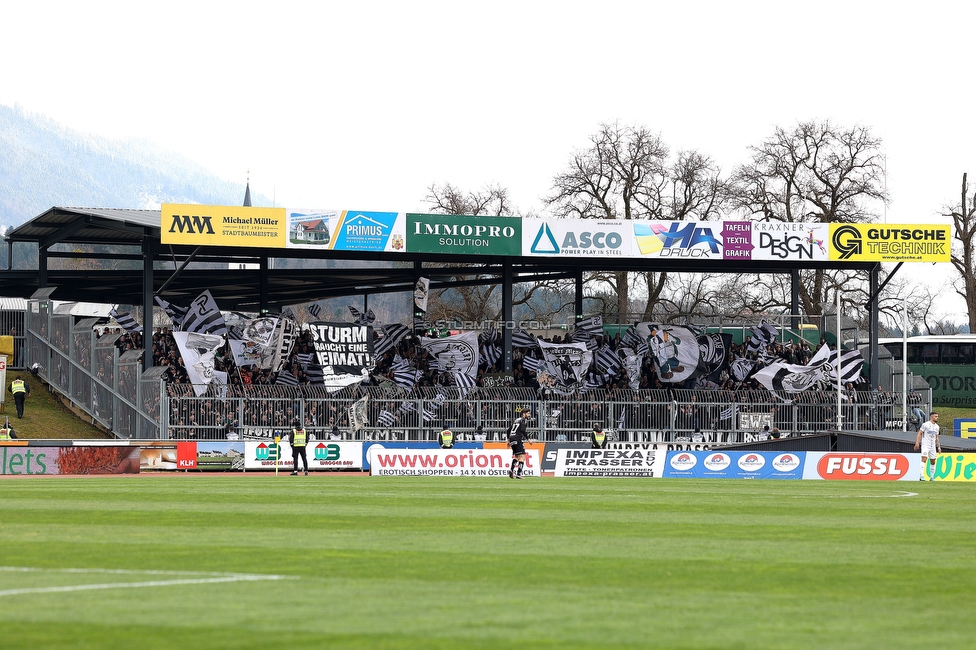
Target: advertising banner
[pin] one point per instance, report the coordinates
(218, 456)
(415, 445)
(785, 241)
(551, 451)
(964, 427)
(321, 455)
(955, 467)
(459, 235)
(346, 230)
(218, 225)
(100, 459)
(448, 462)
(870, 242)
(186, 455)
(577, 238)
(852, 466)
(734, 464)
(678, 239)
(647, 463)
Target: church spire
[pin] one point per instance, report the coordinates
(247, 191)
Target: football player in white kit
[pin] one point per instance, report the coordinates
(928, 439)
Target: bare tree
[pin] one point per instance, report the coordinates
(815, 172)
(964, 254)
(627, 173)
(448, 199)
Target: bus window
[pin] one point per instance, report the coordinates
(895, 350)
(925, 353)
(957, 354)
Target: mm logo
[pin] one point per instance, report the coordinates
(192, 224)
(847, 241)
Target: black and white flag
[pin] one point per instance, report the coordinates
(204, 317)
(125, 321)
(851, 363)
(175, 312)
(315, 310)
(358, 414)
(360, 318)
(490, 354)
(607, 360)
(715, 350)
(386, 418)
(403, 375)
(392, 334)
(592, 325)
(762, 335)
(285, 378)
(794, 378)
(522, 339)
(276, 352)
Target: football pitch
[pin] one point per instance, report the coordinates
(338, 561)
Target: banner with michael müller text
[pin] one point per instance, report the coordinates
(217, 225)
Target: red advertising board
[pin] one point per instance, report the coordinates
(186, 455)
(852, 466)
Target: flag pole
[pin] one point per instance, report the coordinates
(838, 360)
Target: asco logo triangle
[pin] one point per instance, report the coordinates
(544, 242)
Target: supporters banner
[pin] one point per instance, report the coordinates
(869, 242)
(321, 454)
(448, 462)
(646, 463)
(852, 466)
(735, 464)
(566, 364)
(344, 350)
(218, 225)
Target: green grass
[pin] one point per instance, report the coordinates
(488, 563)
(46, 417)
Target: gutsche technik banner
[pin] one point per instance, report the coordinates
(400, 232)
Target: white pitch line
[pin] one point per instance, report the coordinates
(212, 579)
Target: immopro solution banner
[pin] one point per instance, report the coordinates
(461, 235)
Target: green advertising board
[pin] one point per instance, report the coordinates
(462, 235)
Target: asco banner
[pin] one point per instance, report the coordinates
(734, 464)
(216, 225)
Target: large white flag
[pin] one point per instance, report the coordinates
(198, 351)
(455, 354)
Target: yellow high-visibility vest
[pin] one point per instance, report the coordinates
(18, 386)
(300, 437)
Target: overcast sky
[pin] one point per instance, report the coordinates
(364, 105)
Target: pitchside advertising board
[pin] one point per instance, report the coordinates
(622, 463)
(321, 454)
(829, 466)
(447, 462)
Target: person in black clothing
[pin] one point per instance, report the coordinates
(517, 435)
(298, 438)
(446, 439)
(598, 439)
